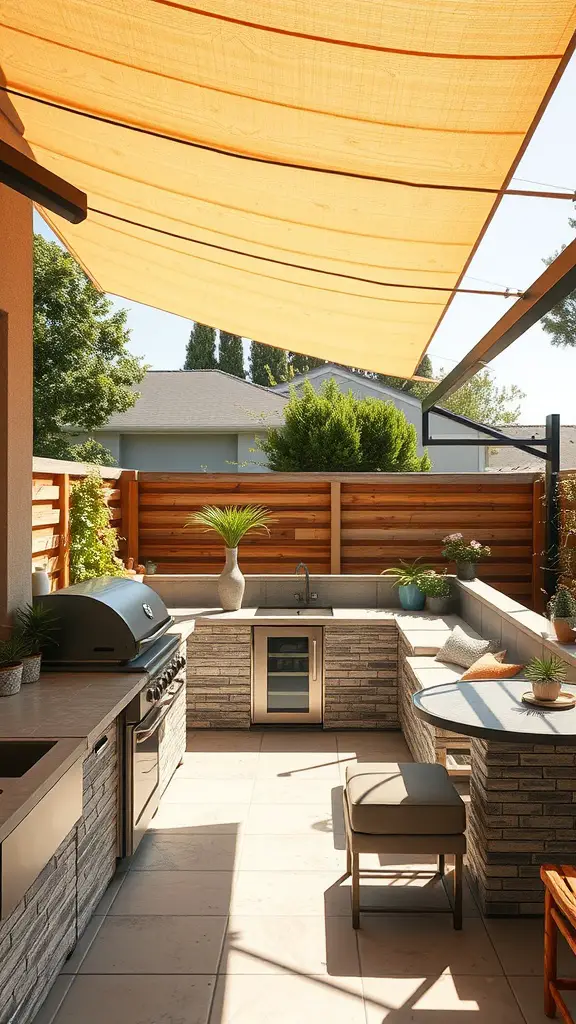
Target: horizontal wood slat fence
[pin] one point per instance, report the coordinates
(336, 523)
(51, 484)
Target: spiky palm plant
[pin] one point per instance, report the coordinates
(233, 522)
(408, 573)
(37, 626)
(546, 670)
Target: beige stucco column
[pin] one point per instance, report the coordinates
(15, 393)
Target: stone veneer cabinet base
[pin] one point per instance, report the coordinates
(522, 815)
(360, 676)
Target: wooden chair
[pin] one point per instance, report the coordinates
(559, 916)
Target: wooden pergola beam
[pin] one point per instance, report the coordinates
(557, 281)
(24, 175)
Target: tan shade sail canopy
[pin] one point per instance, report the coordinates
(235, 154)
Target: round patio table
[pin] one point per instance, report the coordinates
(494, 710)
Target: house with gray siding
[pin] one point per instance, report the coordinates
(208, 421)
(193, 421)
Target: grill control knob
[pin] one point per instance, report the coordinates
(150, 694)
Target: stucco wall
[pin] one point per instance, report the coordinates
(15, 390)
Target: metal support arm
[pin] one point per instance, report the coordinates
(550, 455)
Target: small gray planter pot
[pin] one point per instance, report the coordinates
(438, 605)
(10, 680)
(31, 668)
(466, 570)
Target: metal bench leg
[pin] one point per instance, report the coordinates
(355, 890)
(550, 949)
(348, 858)
(458, 871)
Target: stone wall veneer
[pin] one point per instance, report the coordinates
(172, 739)
(361, 676)
(219, 676)
(38, 936)
(98, 827)
(521, 815)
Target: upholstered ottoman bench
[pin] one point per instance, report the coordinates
(403, 808)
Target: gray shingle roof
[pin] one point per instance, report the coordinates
(199, 400)
(509, 460)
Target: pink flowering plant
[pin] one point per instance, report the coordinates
(457, 549)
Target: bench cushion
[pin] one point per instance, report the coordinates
(403, 799)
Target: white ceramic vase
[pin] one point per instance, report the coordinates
(231, 583)
(40, 582)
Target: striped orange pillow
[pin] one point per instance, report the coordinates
(489, 667)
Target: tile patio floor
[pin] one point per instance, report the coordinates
(232, 912)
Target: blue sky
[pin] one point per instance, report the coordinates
(523, 232)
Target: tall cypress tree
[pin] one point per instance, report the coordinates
(302, 364)
(201, 349)
(268, 365)
(231, 354)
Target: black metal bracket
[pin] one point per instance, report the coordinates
(550, 455)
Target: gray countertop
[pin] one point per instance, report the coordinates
(494, 710)
(73, 708)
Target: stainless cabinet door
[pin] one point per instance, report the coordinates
(287, 683)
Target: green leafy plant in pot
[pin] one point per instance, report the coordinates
(408, 577)
(12, 651)
(546, 676)
(562, 612)
(466, 554)
(231, 523)
(36, 627)
(438, 591)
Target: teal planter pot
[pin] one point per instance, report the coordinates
(412, 598)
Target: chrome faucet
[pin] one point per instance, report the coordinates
(302, 565)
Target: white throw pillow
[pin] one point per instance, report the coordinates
(461, 649)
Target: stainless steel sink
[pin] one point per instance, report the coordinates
(18, 756)
(292, 613)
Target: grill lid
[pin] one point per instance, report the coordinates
(111, 619)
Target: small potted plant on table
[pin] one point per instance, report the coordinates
(231, 523)
(12, 651)
(36, 627)
(546, 676)
(562, 612)
(438, 591)
(408, 579)
(465, 553)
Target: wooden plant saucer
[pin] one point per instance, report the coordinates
(563, 701)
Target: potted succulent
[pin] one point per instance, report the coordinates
(12, 650)
(438, 590)
(231, 523)
(36, 627)
(408, 579)
(466, 554)
(562, 612)
(546, 676)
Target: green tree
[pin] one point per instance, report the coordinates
(480, 399)
(231, 354)
(268, 365)
(83, 371)
(328, 431)
(302, 364)
(560, 322)
(201, 349)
